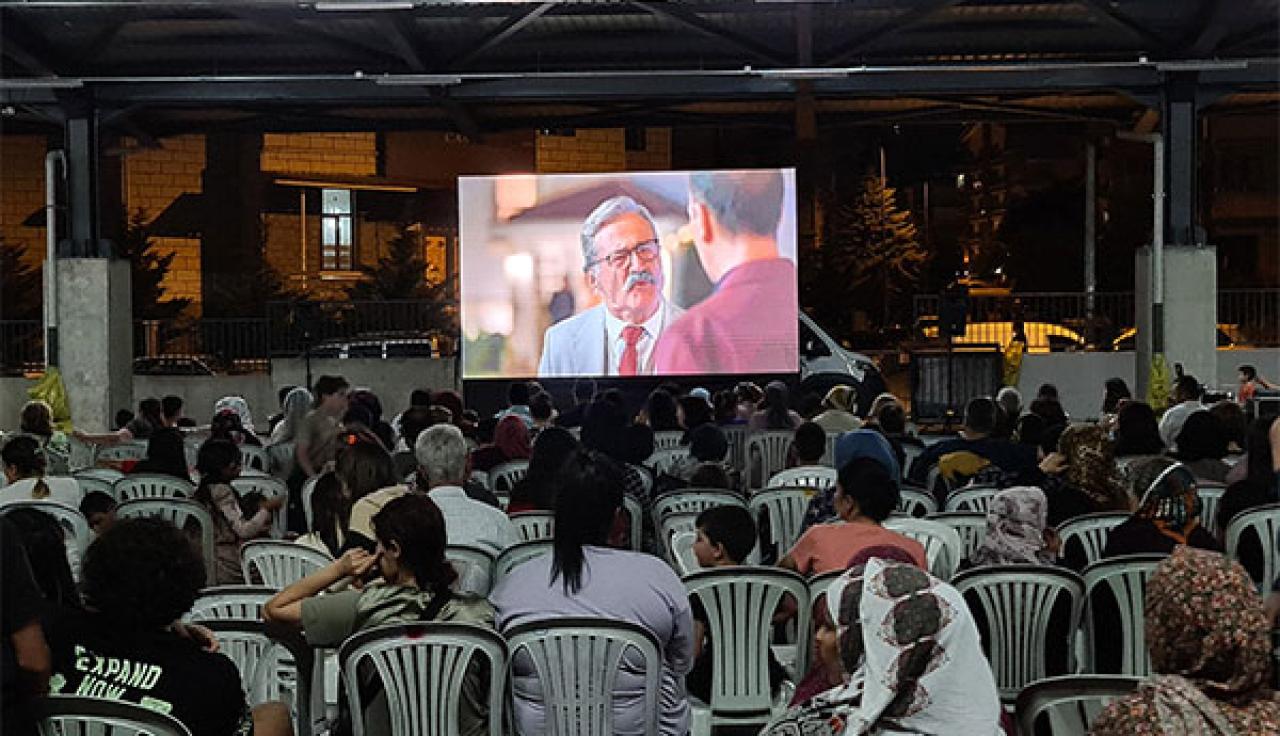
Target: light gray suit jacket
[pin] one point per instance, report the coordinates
(576, 346)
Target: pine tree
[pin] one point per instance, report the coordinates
(21, 284)
(403, 274)
(148, 270)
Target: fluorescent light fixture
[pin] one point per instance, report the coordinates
(803, 74)
(347, 6)
(1201, 66)
(412, 80)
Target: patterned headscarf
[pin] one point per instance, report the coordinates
(1016, 522)
(1171, 500)
(1091, 465)
(1210, 645)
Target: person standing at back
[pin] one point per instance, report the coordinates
(316, 442)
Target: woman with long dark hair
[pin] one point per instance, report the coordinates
(584, 577)
(330, 516)
(537, 490)
(1137, 431)
(776, 413)
(236, 520)
(47, 548)
(660, 412)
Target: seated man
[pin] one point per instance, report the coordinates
(140, 577)
(975, 437)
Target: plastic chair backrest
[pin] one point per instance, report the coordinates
(280, 564)
(736, 435)
(109, 475)
(481, 477)
(235, 602)
(121, 452)
(1090, 532)
(66, 715)
(1210, 495)
(149, 485)
(943, 548)
(1017, 603)
(910, 451)
(682, 557)
(635, 521)
(534, 526)
(516, 555)
(576, 662)
(673, 524)
(269, 488)
(1265, 522)
(971, 498)
(811, 477)
(1069, 703)
(282, 458)
(740, 603)
(1125, 578)
(83, 455)
(662, 460)
(915, 502)
(89, 484)
(829, 455)
(268, 667)
(785, 509)
(180, 512)
(191, 449)
(252, 456)
(766, 454)
(820, 583)
(505, 476)
(474, 567)
(308, 489)
(692, 500)
(667, 439)
(970, 525)
(421, 668)
(70, 519)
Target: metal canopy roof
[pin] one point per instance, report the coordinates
(475, 66)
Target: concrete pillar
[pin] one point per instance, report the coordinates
(95, 338)
(1190, 312)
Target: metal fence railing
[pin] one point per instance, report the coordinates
(1250, 317)
(21, 345)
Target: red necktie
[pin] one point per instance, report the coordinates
(631, 335)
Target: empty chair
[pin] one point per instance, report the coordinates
(970, 525)
(65, 715)
(740, 603)
(1066, 705)
(422, 670)
(243, 602)
(692, 500)
(784, 509)
(971, 498)
(1084, 537)
(132, 487)
(576, 664)
(122, 452)
(943, 547)
(915, 502)
(257, 458)
(1264, 521)
(667, 440)
(269, 667)
(279, 564)
(1018, 604)
(766, 454)
(661, 461)
(268, 487)
(516, 555)
(72, 521)
(810, 477)
(183, 514)
(505, 476)
(474, 567)
(534, 526)
(1115, 604)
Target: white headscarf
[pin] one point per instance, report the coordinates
(238, 405)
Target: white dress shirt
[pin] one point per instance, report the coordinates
(644, 348)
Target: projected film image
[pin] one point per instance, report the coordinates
(631, 274)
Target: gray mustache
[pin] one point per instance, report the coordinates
(640, 277)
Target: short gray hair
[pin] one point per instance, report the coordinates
(605, 213)
(441, 452)
(1010, 400)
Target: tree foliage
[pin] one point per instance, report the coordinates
(147, 270)
(403, 275)
(21, 284)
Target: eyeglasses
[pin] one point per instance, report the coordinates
(646, 252)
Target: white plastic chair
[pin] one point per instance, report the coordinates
(811, 477)
(766, 454)
(576, 662)
(1265, 522)
(191, 448)
(1069, 703)
(180, 512)
(970, 525)
(482, 478)
(421, 668)
(740, 603)
(280, 564)
(682, 556)
(149, 485)
(915, 502)
(230, 602)
(122, 452)
(784, 508)
(70, 519)
(971, 498)
(505, 476)
(534, 526)
(83, 455)
(1125, 578)
(257, 458)
(89, 484)
(663, 460)
(736, 435)
(516, 555)
(474, 567)
(1210, 495)
(635, 516)
(692, 500)
(66, 715)
(308, 490)
(1090, 532)
(673, 525)
(269, 488)
(666, 440)
(268, 666)
(108, 475)
(829, 455)
(1017, 604)
(282, 459)
(943, 548)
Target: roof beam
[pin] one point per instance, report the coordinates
(922, 12)
(399, 33)
(691, 20)
(1207, 30)
(1120, 20)
(285, 23)
(25, 47)
(1248, 37)
(511, 26)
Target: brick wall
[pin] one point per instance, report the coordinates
(591, 150)
(656, 155)
(349, 154)
(153, 179)
(22, 192)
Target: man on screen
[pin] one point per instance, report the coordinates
(749, 323)
(622, 260)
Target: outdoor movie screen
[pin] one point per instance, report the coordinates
(629, 274)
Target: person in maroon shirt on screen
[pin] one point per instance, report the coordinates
(749, 323)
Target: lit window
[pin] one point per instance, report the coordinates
(337, 230)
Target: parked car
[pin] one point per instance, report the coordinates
(378, 348)
(825, 363)
(1042, 337)
(1229, 338)
(174, 365)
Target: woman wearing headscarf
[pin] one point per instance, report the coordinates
(296, 406)
(1018, 530)
(238, 406)
(510, 442)
(839, 410)
(1210, 646)
(1168, 513)
(851, 445)
(1082, 477)
(1202, 443)
(911, 656)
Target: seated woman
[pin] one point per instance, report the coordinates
(537, 490)
(1210, 646)
(1202, 444)
(1257, 487)
(1082, 476)
(166, 455)
(510, 442)
(865, 496)
(860, 443)
(24, 475)
(584, 577)
(919, 669)
(236, 520)
(1168, 514)
(330, 516)
(1018, 530)
(415, 586)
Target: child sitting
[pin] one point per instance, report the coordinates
(100, 509)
